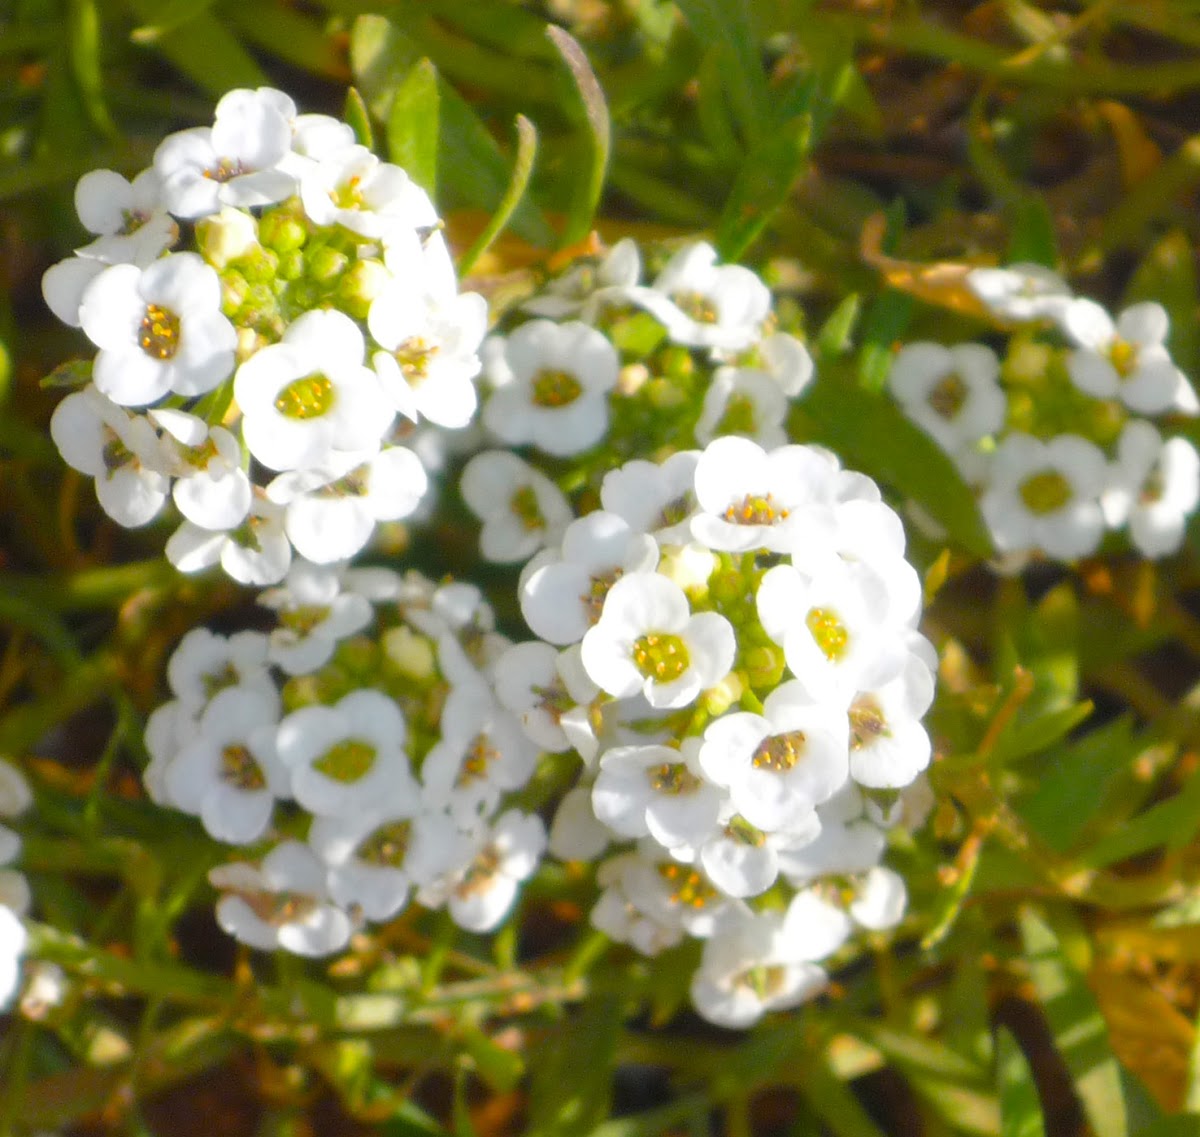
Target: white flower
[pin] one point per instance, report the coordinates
(13, 939)
(672, 894)
(314, 615)
(750, 967)
(953, 394)
(1127, 359)
(888, 745)
(1155, 488)
(744, 402)
(482, 753)
(619, 912)
(212, 490)
(656, 790)
(376, 858)
(1021, 291)
(880, 898)
(284, 903)
(575, 834)
(588, 287)
(703, 304)
(159, 329)
(480, 894)
(553, 386)
(431, 346)
(257, 552)
(332, 509)
(348, 758)
(648, 641)
(229, 774)
(538, 683)
(235, 162)
(522, 510)
(64, 283)
(787, 361)
(835, 626)
(310, 394)
(354, 189)
(15, 795)
(206, 663)
(653, 497)
(780, 765)
(563, 595)
(121, 451)
(131, 224)
(1044, 495)
(743, 860)
(755, 499)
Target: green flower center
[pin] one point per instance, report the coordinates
(552, 388)
(310, 396)
(479, 875)
(676, 510)
(347, 761)
(1045, 492)
(830, 633)
(764, 980)
(387, 846)
(239, 769)
(948, 396)
(740, 416)
(779, 752)
(349, 195)
(663, 658)
(303, 619)
(1153, 488)
(737, 828)
(131, 221)
(687, 887)
(867, 723)
(214, 682)
(593, 599)
(158, 334)
(673, 778)
(114, 454)
(525, 508)
(755, 509)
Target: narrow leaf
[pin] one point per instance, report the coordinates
(204, 50)
(1020, 1107)
(522, 168)
(587, 192)
(359, 118)
(412, 126)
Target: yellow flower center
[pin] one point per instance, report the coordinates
(687, 887)
(661, 657)
(481, 873)
(224, 170)
(779, 752)
(347, 761)
(593, 599)
(303, 619)
(830, 633)
(697, 305)
(388, 845)
(479, 756)
(158, 334)
(525, 508)
(673, 778)
(1123, 355)
(310, 396)
(552, 388)
(756, 509)
(1045, 492)
(737, 828)
(239, 769)
(414, 355)
(867, 722)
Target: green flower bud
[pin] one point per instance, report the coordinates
(360, 285)
(412, 654)
(764, 666)
(325, 265)
(283, 230)
(291, 265)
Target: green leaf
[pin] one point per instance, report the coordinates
(499, 1067)
(885, 323)
(1033, 237)
(1020, 1107)
(522, 168)
(290, 35)
(587, 190)
(359, 118)
(1039, 734)
(763, 184)
(1079, 1030)
(834, 337)
(1182, 1125)
(412, 126)
(203, 50)
(713, 111)
(832, 1100)
(84, 50)
(573, 1071)
(1170, 824)
(725, 24)
(871, 434)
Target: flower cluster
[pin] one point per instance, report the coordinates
(265, 300)
(360, 749)
(15, 799)
(639, 368)
(1061, 437)
(729, 645)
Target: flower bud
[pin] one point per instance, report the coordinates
(227, 236)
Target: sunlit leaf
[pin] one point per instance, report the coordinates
(1020, 1108)
(413, 126)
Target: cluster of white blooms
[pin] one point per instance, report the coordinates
(265, 300)
(15, 799)
(728, 643)
(639, 368)
(360, 748)
(1060, 438)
